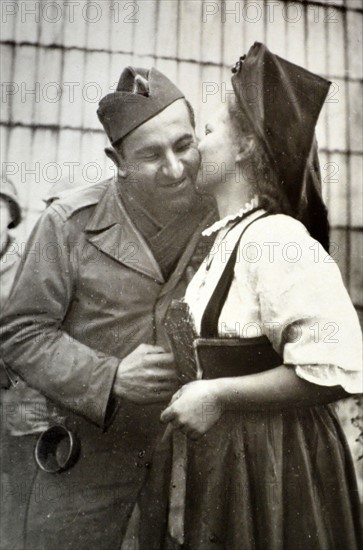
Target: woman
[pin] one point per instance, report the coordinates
(268, 466)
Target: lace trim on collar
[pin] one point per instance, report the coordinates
(217, 226)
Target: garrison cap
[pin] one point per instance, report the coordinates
(283, 102)
(9, 193)
(140, 95)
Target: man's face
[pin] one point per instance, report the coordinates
(161, 161)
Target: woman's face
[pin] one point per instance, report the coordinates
(218, 149)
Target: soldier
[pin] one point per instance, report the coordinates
(10, 218)
(23, 408)
(85, 322)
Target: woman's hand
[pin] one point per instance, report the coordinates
(194, 409)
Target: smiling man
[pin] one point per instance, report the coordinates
(85, 321)
(164, 154)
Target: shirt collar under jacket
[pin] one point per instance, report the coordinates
(220, 224)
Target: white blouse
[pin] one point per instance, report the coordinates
(288, 288)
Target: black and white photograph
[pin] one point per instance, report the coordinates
(181, 259)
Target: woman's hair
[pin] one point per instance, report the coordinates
(260, 173)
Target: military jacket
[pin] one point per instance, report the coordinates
(88, 293)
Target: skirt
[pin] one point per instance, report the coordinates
(272, 481)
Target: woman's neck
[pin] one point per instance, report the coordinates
(230, 198)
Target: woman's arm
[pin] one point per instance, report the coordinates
(197, 406)
(274, 389)
(315, 329)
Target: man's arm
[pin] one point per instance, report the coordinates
(34, 344)
(67, 371)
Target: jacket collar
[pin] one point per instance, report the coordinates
(111, 230)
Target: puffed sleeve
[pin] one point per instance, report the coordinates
(305, 309)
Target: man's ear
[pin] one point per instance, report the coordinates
(246, 148)
(118, 161)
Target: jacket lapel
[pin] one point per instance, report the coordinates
(188, 254)
(111, 230)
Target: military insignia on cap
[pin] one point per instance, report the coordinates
(141, 85)
(238, 65)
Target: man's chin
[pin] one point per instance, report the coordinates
(180, 205)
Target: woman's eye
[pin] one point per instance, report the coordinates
(207, 131)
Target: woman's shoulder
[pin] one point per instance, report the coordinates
(278, 226)
(281, 245)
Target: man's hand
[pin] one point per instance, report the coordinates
(194, 409)
(146, 376)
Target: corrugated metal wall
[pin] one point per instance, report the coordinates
(59, 58)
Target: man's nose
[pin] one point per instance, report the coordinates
(173, 167)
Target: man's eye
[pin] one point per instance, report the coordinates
(184, 145)
(207, 131)
(150, 156)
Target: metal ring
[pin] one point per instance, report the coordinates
(57, 449)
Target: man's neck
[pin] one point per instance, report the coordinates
(157, 215)
(166, 243)
(136, 209)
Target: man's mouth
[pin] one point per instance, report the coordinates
(176, 184)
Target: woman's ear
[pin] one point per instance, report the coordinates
(246, 148)
(118, 161)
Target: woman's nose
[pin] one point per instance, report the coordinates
(173, 166)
